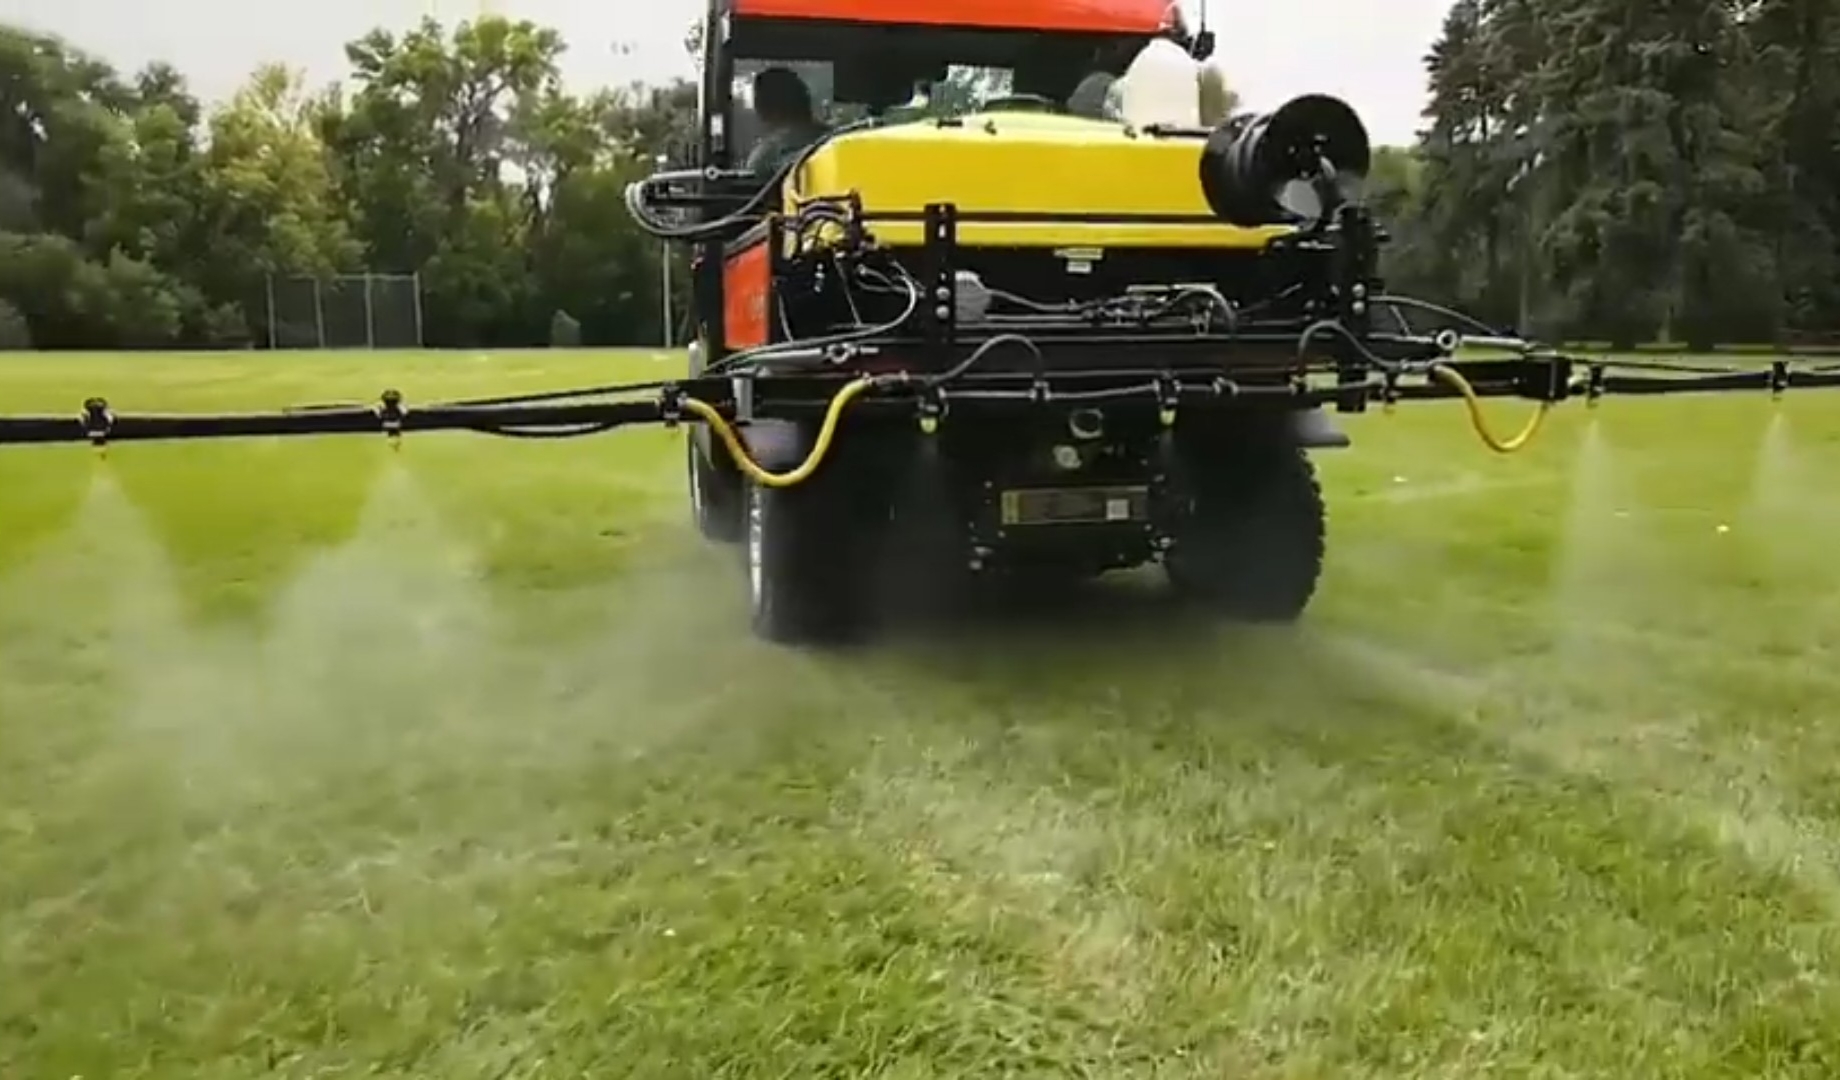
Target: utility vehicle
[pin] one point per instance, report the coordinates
(984, 324)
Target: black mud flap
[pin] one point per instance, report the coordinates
(1314, 430)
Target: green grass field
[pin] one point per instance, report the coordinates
(318, 760)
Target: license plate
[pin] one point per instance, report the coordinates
(1076, 506)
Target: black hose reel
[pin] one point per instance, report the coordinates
(1289, 167)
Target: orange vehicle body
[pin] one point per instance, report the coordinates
(1093, 16)
(747, 295)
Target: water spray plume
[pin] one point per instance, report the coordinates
(1775, 483)
(1790, 519)
(117, 591)
(1588, 571)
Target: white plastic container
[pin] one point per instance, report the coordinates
(1162, 86)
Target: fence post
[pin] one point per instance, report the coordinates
(319, 312)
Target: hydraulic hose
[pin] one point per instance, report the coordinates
(1518, 441)
(833, 413)
(827, 433)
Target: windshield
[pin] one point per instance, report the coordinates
(964, 89)
(818, 77)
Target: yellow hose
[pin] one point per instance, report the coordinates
(1518, 441)
(826, 433)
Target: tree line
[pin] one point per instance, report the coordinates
(131, 218)
(1588, 169)
(1623, 172)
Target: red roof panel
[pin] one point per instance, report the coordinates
(1097, 16)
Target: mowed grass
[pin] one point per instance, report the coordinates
(318, 760)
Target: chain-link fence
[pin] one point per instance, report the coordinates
(349, 311)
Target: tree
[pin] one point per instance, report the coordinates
(1594, 167)
(99, 177)
(421, 153)
(1794, 71)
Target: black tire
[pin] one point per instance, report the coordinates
(802, 556)
(715, 495)
(1252, 545)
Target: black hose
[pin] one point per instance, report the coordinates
(729, 363)
(1437, 309)
(635, 203)
(1669, 365)
(957, 370)
(1333, 326)
(544, 433)
(554, 395)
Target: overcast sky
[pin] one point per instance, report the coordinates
(1367, 51)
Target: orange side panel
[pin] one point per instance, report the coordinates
(746, 297)
(1097, 16)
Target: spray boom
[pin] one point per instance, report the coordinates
(1546, 378)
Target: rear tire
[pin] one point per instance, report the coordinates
(803, 552)
(1252, 545)
(715, 482)
(715, 496)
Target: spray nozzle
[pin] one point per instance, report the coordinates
(98, 421)
(390, 414)
(1168, 394)
(1779, 379)
(932, 407)
(1594, 388)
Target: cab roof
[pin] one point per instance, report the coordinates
(1080, 16)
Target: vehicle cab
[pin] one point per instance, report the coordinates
(1043, 64)
(923, 58)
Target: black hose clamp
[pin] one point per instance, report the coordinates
(671, 406)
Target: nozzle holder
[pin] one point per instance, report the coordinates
(930, 408)
(390, 413)
(98, 421)
(1168, 396)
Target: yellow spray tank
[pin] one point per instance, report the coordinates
(1118, 183)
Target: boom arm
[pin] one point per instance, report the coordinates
(724, 401)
